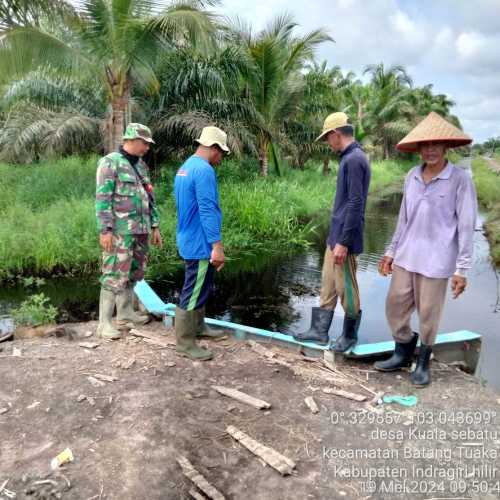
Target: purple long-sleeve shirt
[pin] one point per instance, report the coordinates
(435, 230)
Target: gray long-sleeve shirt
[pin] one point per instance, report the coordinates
(435, 230)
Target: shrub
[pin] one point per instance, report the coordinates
(34, 311)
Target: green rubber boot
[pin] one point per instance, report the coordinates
(202, 329)
(126, 316)
(185, 334)
(105, 329)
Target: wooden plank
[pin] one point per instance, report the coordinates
(260, 349)
(276, 460)
(344, 394)
(311, 404)
(153, 339)
(307, 373)
(191, 473)
(196, 495)
(242, 397)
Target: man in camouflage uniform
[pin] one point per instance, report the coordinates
(126, 216)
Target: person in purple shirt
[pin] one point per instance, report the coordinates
(345, 239)
(432, 243)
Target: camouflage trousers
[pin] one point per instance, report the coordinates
(125, 264)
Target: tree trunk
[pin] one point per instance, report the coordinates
(263, 160)
(386, 149)
(326, 163)
(120, 105)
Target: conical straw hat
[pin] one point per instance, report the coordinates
(433, 128)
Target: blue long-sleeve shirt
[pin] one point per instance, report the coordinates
(348, 214)
(199, 218)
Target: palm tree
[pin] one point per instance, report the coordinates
(48, 114)
(389, 107)
(324, 92)
(273, 81)
(198, 90)
(115, 41)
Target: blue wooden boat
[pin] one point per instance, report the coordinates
(462, 347)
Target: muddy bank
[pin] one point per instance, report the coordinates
(126, 434)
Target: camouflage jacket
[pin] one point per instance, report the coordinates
(122, 203)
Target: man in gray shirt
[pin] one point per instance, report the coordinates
(433, 242)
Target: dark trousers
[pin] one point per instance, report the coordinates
(198, 284)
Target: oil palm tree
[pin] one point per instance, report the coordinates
(273, 82)
(324, 93)
(389, 108)
(115, 41)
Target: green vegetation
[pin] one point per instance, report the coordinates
(488, 192)
(48, 224)
(35, 311)
(490, 147)
(72, 74)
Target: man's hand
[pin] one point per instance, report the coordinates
(339, 254)
(217, 256)
(385, 265)
(106, 241)
(156, 238)
(458, 285)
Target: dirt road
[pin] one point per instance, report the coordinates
(125, 434)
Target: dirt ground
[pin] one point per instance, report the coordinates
(126, 434)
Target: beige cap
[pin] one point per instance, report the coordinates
(213, 135)
(334, 121)
(433, 128)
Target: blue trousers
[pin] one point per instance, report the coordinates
(198, 284)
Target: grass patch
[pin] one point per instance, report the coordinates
(488, 193)
(47, 221)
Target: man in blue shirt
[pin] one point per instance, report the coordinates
(199, 221)
(345, 239)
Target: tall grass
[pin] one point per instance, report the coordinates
(47, 221)
(488, 192)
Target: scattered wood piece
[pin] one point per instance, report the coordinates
(89, 345)
(16, 352)
(309, 372)
(196, 495)
(242, 397)
(4, 484)
(260, 349)
(153, 339)
(127, 364)
(170, 364)
(3, 410)
(33, 405)
(344, 394)
(276, 460)
(311, 404)
(95, 382)
(105, 378)
(191, 473)
(81, 398)
(329, 360)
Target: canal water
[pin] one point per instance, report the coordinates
(277, 292)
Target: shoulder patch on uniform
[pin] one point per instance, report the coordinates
(182, 173)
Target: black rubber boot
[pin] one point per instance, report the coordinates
(321, 319)
(421, 376)
(349, 335)
(401, 358)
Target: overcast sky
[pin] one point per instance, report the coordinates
(453, 44)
